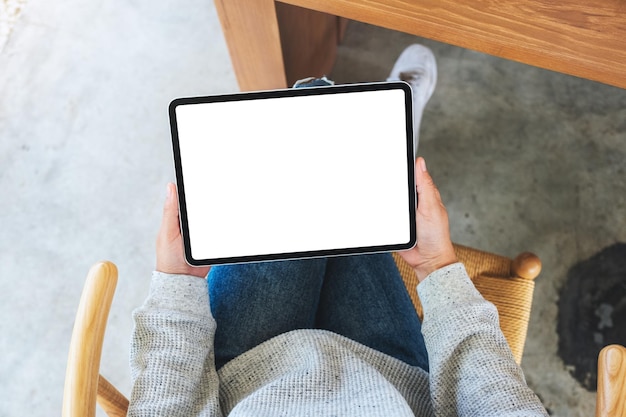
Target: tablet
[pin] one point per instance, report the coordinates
(295, 173)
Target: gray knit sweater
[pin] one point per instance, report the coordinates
(319, 373)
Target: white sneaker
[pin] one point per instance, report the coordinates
(417, 66)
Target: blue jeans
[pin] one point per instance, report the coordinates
(361, 297)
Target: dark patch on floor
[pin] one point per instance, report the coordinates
(592, 312)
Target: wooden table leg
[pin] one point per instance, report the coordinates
(309, 39)
(253, 39)
(274, 44)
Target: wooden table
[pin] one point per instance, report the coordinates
(273, 43)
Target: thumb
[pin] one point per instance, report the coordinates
(169, 224)
(428, 195)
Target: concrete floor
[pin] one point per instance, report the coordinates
(526, 159)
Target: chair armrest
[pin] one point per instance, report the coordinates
(83, 364)
(526, 265)
(611, 397)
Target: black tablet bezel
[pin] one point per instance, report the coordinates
(260, 95)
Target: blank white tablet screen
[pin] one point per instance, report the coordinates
(295, 174)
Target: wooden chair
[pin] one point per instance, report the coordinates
(508, 283)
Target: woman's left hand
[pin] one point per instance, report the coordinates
(170, 257)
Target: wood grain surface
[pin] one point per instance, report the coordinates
(83, 363)
(611, 400)
(308, 40)
(577, 37)
(253, 39)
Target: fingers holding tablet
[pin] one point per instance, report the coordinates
(169, 246)
(434, 248)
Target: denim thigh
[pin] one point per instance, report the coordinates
(365, 299)
(361, 297)
(254, 302)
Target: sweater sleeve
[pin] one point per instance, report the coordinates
(472, 370)
(171, 358)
